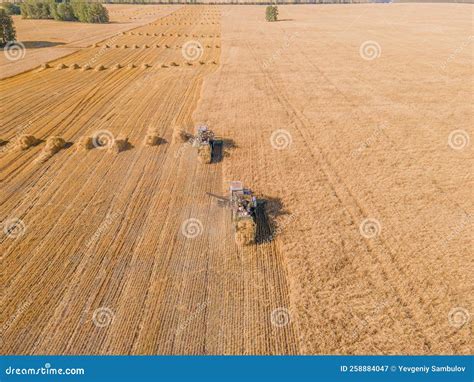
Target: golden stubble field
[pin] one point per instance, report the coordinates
(353, 121)
(46, 40)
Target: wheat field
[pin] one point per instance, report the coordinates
(354, 132)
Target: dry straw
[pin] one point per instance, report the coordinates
(85, 143)
(120, 144)
(26, 141)
(152, 140)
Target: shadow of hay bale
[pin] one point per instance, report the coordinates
(99, 68)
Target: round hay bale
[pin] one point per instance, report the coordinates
(179, 136)
(45, 66)
(145, 66)
(116, 46)
(202, 62)
(86, 67)
(131, 66)
(164, 66)
(245, 231)
(125, 47)
(74, 66)
(157, 45)
(189, 63)
(99, 68)
(61, 66)
(25, 141)
(54, 144)
(135, 46)
(205, 153)
(167, 46)
(152, 140)
(85, 143)
(146, 46)
(174, 64)
(116, 66)
(119, 144)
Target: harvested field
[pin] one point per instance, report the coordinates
(113, 246)
(45, 40)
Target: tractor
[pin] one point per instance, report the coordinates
(209, 147)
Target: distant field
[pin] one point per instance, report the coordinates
(353, 122)
(46, 40)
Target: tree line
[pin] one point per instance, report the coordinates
(67, 10)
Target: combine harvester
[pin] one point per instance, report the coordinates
(207, 144)
(244, 206)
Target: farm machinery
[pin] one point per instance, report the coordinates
(244, 207)
(207, 144)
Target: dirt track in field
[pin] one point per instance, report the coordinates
(106, 234)
(367, 244)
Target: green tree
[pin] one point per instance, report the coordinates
(271, 13)
(64, 12)
(10, 8)
(7, 30)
